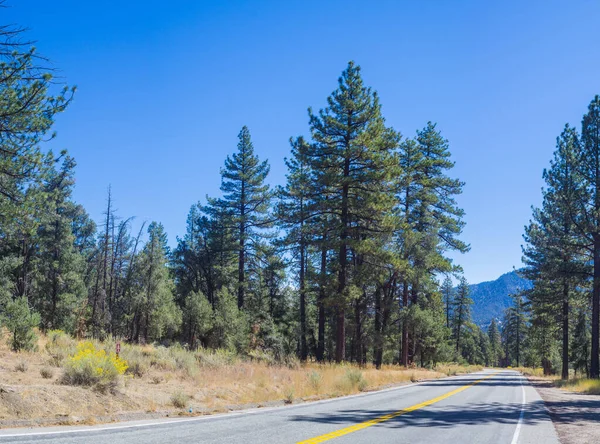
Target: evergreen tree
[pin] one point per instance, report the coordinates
(58, 289)
(580, 345)
(27, 112)
(495, 343)
(515, 326)
(246, 203)
(354, 164)
(294, 213)
(554, 250)
(589, 169)
(156, 314)
(203, 260)
(20, 322)
(197, 319)
(448, 295)
(462, 311)
(430, 220)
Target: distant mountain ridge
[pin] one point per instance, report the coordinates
(491, 298)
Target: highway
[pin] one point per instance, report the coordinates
(486, 407)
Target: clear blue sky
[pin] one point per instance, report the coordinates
(164, 88)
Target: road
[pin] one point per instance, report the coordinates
(486, 407)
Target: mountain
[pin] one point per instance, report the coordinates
(490, 299)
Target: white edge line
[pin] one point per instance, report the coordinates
(515, 439)
(222, 415)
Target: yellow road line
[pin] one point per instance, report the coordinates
(372, 422)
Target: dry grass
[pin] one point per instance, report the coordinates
(538, 372)
(452, 369)
(162, 378)
(580, 385)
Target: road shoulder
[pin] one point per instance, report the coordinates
(576, 417)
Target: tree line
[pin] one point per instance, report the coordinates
(341, 263)
(558, 318)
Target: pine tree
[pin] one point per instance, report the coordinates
(27, 112)
(294, 212)
(554, 248)
(354, 164)
(197, 319)
(580, 345)
(58, 288)
(203, 260)
(246, 202)
(156, 314)
(448, 295)
(430, 219)
(515, 326)
(20, 321)
(462, 311)
(495, 343)
(589, 169)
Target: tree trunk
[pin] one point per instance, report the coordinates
(565, 328)
(340, 343)
(594, 365)
(378, 352)
(242, 252)
(321, 304)
(405, 326)
(303, 346)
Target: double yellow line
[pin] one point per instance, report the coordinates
(372, 422)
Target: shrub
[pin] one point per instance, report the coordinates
(92, 367)
(362, 385)
(162, 360)
(315, 380)
(47, 372)
(21, 366)
(20, 322)
(137, 369)
(180, 399)
(184, 360)
(137, 360)
(59, 346)
(217, 358)
(289, 395)
(354, 377)
(157, 379)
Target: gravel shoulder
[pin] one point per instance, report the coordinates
(576, 417)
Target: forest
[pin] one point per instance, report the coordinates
(348, 261)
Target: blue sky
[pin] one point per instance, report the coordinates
(164, 88)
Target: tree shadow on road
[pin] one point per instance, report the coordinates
(448, 416)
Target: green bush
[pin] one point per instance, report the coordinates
(289, 395)
(315, 379)
(20, 322)
(218, 358)
(184, 360)
(59, 346)
(161, 359)
(356, 379)
(137, 360)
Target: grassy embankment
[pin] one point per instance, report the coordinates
(85, 382)
(579, 385)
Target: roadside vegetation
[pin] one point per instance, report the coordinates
(580, 385)
(575, 383)
(85, 379)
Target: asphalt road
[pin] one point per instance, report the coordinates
(487, 407)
